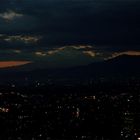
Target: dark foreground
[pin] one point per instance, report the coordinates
(94, 112)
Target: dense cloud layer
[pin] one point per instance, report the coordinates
(37, 28)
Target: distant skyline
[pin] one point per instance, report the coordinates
(66, 33)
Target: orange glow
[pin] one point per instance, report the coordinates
(130, 53)
(6, 64)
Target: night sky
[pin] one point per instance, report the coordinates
(66, 33)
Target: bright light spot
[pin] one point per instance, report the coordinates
(2, 109)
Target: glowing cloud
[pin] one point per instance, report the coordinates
(56, 50)
(10, 15)
(22, 38)
(131, 53)
(80, 47)
(90, 53)
(6, 64)
(40, 53)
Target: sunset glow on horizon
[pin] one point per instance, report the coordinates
(6, 64)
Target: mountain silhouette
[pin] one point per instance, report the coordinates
(123, 66)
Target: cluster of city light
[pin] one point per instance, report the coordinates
(2, 109)
(90, 97)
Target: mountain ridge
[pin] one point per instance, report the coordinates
(121, 65)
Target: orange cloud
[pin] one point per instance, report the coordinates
(131, 53)
(90, 53)
(6, 64)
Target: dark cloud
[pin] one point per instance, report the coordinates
(109, 25)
